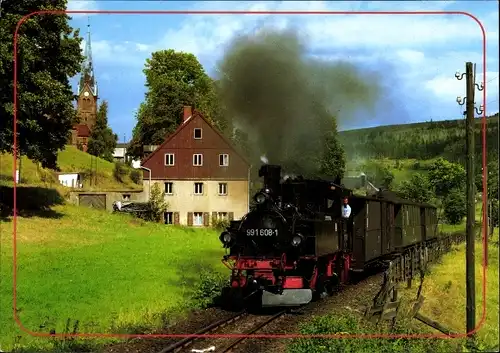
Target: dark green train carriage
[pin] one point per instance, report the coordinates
(385, 224)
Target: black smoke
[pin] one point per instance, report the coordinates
(286, 100)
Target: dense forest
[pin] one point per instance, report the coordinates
(420, 141)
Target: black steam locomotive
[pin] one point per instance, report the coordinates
(294, 244)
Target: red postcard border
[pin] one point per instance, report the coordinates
(88, 335)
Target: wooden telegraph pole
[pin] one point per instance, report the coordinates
(471, 211)
(470, 236)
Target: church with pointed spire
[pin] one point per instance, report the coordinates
(87, 100)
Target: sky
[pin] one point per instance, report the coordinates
(417, 55)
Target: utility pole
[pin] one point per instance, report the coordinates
(470, 234)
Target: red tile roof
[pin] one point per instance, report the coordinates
(182, 126)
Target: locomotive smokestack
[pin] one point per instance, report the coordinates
(272, 176)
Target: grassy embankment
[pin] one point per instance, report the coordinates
(69, 160)
(110, 272)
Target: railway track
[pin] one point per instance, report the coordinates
(248, 324)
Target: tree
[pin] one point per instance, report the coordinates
(333, 161)
(492, 180)
(494, 213)
(102, 142)
(48, 53)
(417, 189)
(445, 176)
(173, 80)
(158, 205)
(454, 206)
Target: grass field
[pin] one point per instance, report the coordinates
(445, 296)
(69, 160)
(111, 272)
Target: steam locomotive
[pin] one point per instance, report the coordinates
(294, 246)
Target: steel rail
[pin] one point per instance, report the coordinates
(253, 330)
(188, 340)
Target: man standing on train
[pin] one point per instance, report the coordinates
(346, 209)
(346, 214)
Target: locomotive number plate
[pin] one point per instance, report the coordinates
(262, 232)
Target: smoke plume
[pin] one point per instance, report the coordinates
(285, 100)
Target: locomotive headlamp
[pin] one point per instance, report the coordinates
(260, 197)
(226, 238)
(297, 239)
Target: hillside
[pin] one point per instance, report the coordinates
(421, 141)
(69, 160)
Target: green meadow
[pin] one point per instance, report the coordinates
(112, 273)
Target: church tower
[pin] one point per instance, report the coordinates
(87, 88)
(87, 98)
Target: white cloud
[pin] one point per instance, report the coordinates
(447, 87)
(142, 47)
(406, 36)
(412, 57)
(205, 34)
(117, 53)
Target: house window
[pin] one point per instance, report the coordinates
(222, 216)
(126, 197)
(198, 188)
(223, 160)
(169, 217)
(198, 219)
(197, 160)
(169, 159)
(197, 134)
(169, 188)
(222, 188)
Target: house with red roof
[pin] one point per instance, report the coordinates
(201, 175)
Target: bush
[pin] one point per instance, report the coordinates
(209, 289)
(158, 205)
(220, 224)
(136, 176)
(446, 176)
(417, 189)
(454, 206)
(120, 171)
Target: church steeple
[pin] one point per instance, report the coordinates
(87, 77)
